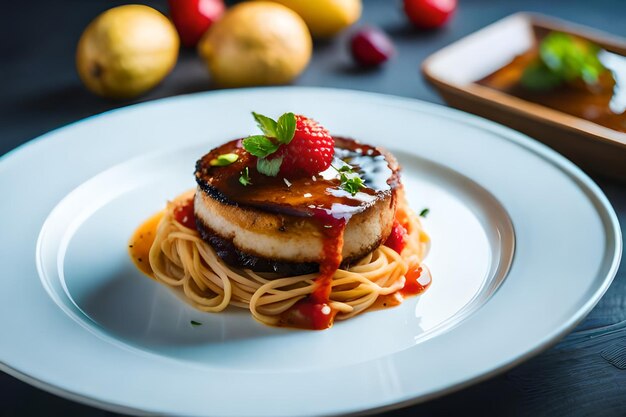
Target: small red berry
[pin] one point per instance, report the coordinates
(310, 152)
(398, 237)
(193, 18)
(429, 14)
(371, 47)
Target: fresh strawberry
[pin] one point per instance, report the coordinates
(398, 237)
(310, 151)
(292, 146)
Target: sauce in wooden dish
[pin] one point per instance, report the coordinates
(603, 103)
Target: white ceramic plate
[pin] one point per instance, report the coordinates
(524, 245)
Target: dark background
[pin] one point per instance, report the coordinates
(40, 91)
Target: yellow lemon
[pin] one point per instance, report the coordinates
(326, 18)
(126, 51)
(256, 43)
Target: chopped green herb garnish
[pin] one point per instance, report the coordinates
(195, 323)
(562, 59)
(350, 181)
(224, 160)
(244, 179)
(424, 212)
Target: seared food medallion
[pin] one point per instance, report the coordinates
(294, 224)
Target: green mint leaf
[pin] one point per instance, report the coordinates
(244, 179)
(224, 160)
(269, 167)
(286, 128)
(345, 168)
(259, 146)
(424, 212)
(267, 125)
(195, 323)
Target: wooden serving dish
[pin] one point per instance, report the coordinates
(456, 69)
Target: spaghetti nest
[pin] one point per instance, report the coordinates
(180, 258)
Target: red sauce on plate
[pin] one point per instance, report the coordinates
(332, 229)
(417, 281)
(314, 311)
(308, 314)
(183, 214)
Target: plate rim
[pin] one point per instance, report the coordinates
(581, 179)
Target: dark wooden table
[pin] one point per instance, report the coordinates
(40, 91)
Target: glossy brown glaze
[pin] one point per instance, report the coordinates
(602, 103)
(296, 196)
